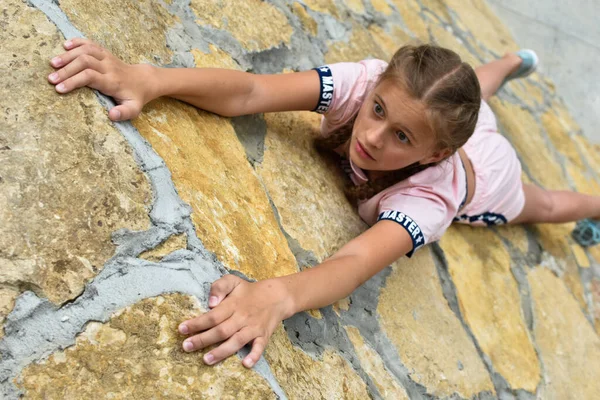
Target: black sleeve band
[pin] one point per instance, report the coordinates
(326, 93)
(414, 231)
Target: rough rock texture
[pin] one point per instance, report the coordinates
(137, 354)
(110, 234)
(67, 177)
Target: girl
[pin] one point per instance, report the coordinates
(419, 144)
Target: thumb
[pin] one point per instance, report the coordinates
(221, 288)
(126, 111)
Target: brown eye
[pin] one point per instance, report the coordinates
(402, 137)
(377, 109)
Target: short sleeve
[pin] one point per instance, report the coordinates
(421, 212)
(344, 87)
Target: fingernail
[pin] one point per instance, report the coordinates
(56, 60)
(209, 358)
(187, 345)
(249, 362)
(53, 76)
(68, 43)
(61, 87)
(117, 114)
(183, 329)
(212, 300)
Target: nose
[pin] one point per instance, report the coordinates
(374, 137)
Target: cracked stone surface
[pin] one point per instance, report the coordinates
(111, 234)
(68, 178)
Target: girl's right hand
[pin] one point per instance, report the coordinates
(87, 64)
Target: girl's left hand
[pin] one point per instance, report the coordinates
(242, 312)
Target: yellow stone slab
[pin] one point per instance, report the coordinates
(308, 22)
(410, 12)
(568, 346)
(382, 6)
(519, 126)
(527, 92)
(373, 365)
(215, 58)
(559, 135)
(133, 30)
(306, 188)
(444, 38)
(323, 6)
(138, 354)
(430, 340)
(231, 211)
(302, 377)
(356, 6)
(175, 242)
(516, 235)
(477, 17)
(555, 239)
(68, 179)
(361, 45)
(580, 256)
(490, 303)
(389, 42)
(256, 24)
(438, 8)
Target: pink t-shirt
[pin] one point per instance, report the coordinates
(424, 204)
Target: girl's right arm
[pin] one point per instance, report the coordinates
(222, 91)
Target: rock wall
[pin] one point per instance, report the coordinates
(110, 234)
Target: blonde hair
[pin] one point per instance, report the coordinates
(449, 89)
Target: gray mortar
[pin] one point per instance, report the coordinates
(316, 335)
(251, 131)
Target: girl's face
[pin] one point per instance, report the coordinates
(391, 132)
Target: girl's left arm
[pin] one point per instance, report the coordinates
(243, 312)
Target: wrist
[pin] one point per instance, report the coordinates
(289, 304)
(150, 79)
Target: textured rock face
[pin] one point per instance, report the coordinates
(485, 313)
(67, 176)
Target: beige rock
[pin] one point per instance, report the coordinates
(307, 188)
(528, 93)
(103, 21)
(584, 181)
(323, 6)
(356, 6)
(561, 139)
(445, 38)
(410, 11)
(490, 303)
(595, 292)
(302, 377)
(524, 133)
(382, 6)
(256, 24)
(516, 235)
(138, 354)
(580, 256)
(568, 346)
(361, 45)
(430, 340)
(390, 42)
(231, 211)
(308, 22)
(477, 17)
(373, 365)
(67, 177)
(216, 58)
(438, 8)
(175, 242)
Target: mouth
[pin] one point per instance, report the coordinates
(362, 152)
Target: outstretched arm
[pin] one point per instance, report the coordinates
(222, 91)
(245, 312)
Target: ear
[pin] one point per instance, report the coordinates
(436, 156)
